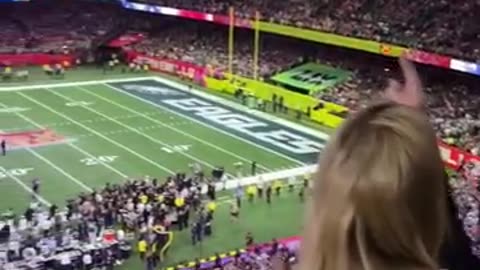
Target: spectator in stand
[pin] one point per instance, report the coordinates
(383, 210)
(61, 28)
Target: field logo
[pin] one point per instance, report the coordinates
(153, 90)
(262, 131)
(35, 138)
(16, 172)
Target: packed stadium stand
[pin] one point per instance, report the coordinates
(427, 26)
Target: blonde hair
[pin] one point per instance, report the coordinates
(378, 201)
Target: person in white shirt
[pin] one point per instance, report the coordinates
(140, 207)
(130, 206)
(87, 261)
(260, 186)
(65, 261)
(184, 193)
(120, 235)
(46, 224)
(291, 183)
(92, 232)
(14, 246)
(98, 198)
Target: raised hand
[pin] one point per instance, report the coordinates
(410, 93)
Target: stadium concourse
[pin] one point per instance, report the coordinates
(108, 164)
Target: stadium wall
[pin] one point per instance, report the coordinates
(35, 59)
(294, 101)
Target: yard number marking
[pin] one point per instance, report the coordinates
(176, 148)
(78, 103)
(4, 173)
(92, 161)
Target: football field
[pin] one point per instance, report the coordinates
(76, 137)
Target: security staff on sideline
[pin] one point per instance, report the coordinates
(3, 147)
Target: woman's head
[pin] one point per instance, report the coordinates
(378, 201)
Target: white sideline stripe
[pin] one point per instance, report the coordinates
(134, 130)
(266, 177)
(44, 159)
(239, 107)
(97, 133)
(31, 121)
(168, 126)
(69, 84)
(207, 125)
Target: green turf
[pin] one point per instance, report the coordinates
(135, 132)
(113, 125)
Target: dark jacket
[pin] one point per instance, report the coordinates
(456, 253)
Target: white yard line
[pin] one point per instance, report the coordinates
(170, 127)
(97, 133)
(66, 123)
(28, 189)
(31, 121)
(208, 125)
(46, 160)
(69, 84)
(152, 139)
(69, 176)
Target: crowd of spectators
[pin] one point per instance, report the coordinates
(143, 210)
(275, 256)
(212, 49)
(427, 26)
(61, 28)
(467, 198)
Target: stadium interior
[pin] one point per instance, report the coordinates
(185, 134)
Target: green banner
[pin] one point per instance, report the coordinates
(312, 77)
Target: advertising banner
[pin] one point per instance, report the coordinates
(34, 59)
(454, 157)
(188, 14)
(428, 58)
(312, 77)
(126, 39)
(181, 69)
